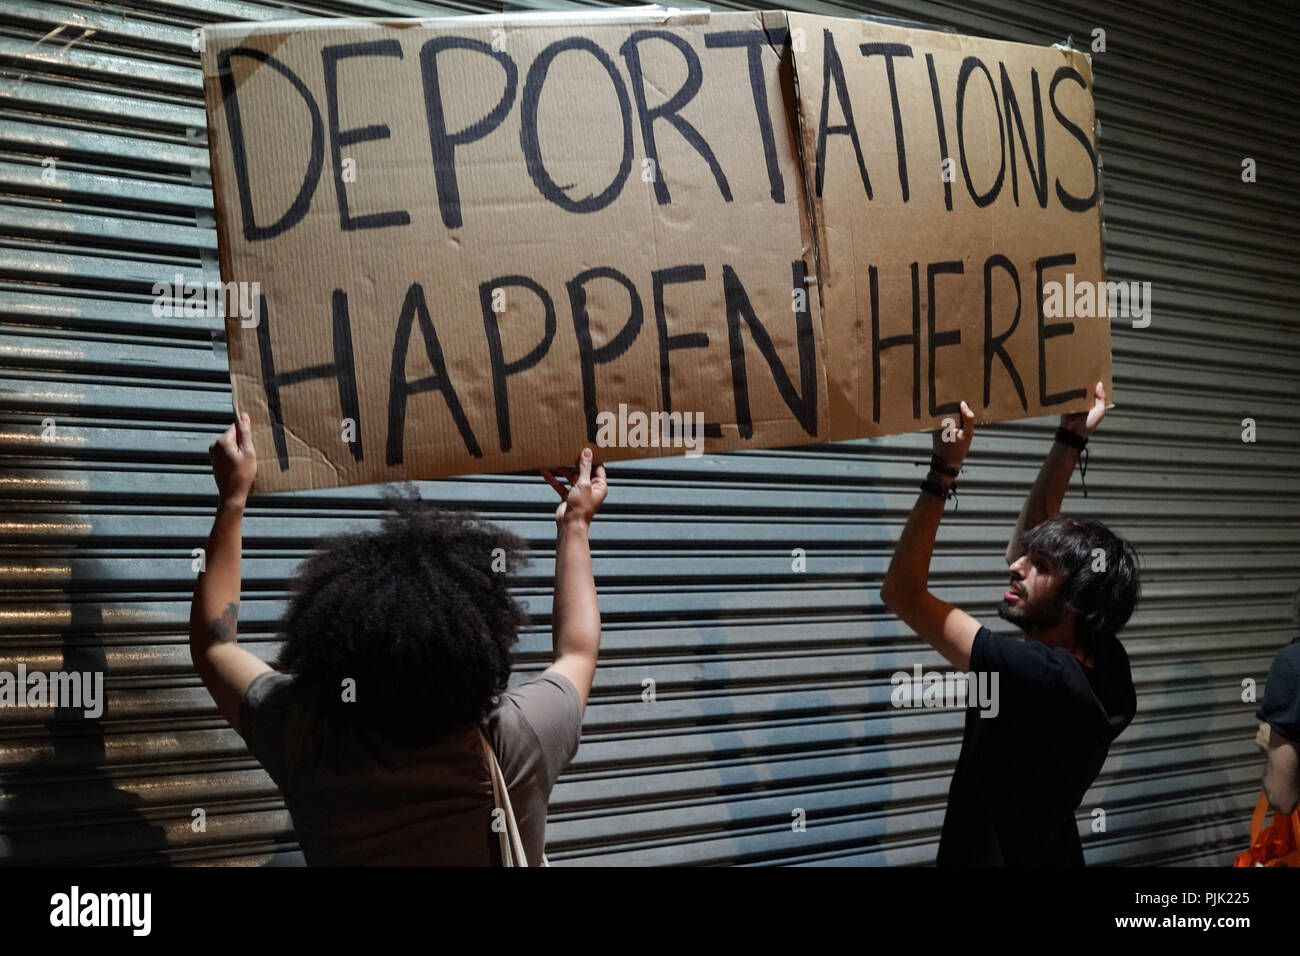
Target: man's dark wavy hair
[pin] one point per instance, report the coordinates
(414, 613)
(1103, 599)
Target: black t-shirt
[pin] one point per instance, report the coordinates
(1022, 773)
(1280, 708)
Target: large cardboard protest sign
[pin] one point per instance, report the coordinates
(951, 179)
(479, 243)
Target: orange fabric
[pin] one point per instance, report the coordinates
(1275, 846)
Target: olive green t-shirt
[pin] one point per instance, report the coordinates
(359, 799)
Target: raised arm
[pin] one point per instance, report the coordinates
(575, 613)
(906, 588)
(225, 668)
(1044, 499)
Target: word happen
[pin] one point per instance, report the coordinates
(739, 322)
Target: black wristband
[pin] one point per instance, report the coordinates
(930, 486)
(1073, 439)
(939, 465)
(1080, 444)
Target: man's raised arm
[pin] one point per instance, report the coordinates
(906, 587)
(1044, 499)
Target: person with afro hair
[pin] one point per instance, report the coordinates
(388, 705)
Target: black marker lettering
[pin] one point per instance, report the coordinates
(399, 389)
(889, 51)
(738, 307)
(590, 356)
(668, 343)
(944, 158)
(1016, 123)
(669, 110)
(443, 144)
(833, 70)
(993, 343)
(528, 134)
(968, 66)
(939, 340)
(501, 369)
(1051, 331)
(342, 369)
(878, 344)
(238, 148)
(755, 42)
(330, 57)
(1073, 203)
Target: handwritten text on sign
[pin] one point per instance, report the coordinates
(476, 244)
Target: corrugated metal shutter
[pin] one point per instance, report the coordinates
(772, 687)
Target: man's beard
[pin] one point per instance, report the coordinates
(1029, 618)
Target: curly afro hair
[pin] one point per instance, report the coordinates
(418, 613)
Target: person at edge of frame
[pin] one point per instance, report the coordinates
(1279, 729)
(396, 654)
(1063, 694)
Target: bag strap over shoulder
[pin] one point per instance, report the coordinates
(512, 842)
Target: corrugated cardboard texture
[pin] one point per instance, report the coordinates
(472, 238)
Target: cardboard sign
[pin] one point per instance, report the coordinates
(952, 178)
(476, 244)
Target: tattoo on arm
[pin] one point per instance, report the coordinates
(222, 629)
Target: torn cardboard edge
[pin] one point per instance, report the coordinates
(290, 27)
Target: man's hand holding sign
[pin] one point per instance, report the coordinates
(905, 589)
